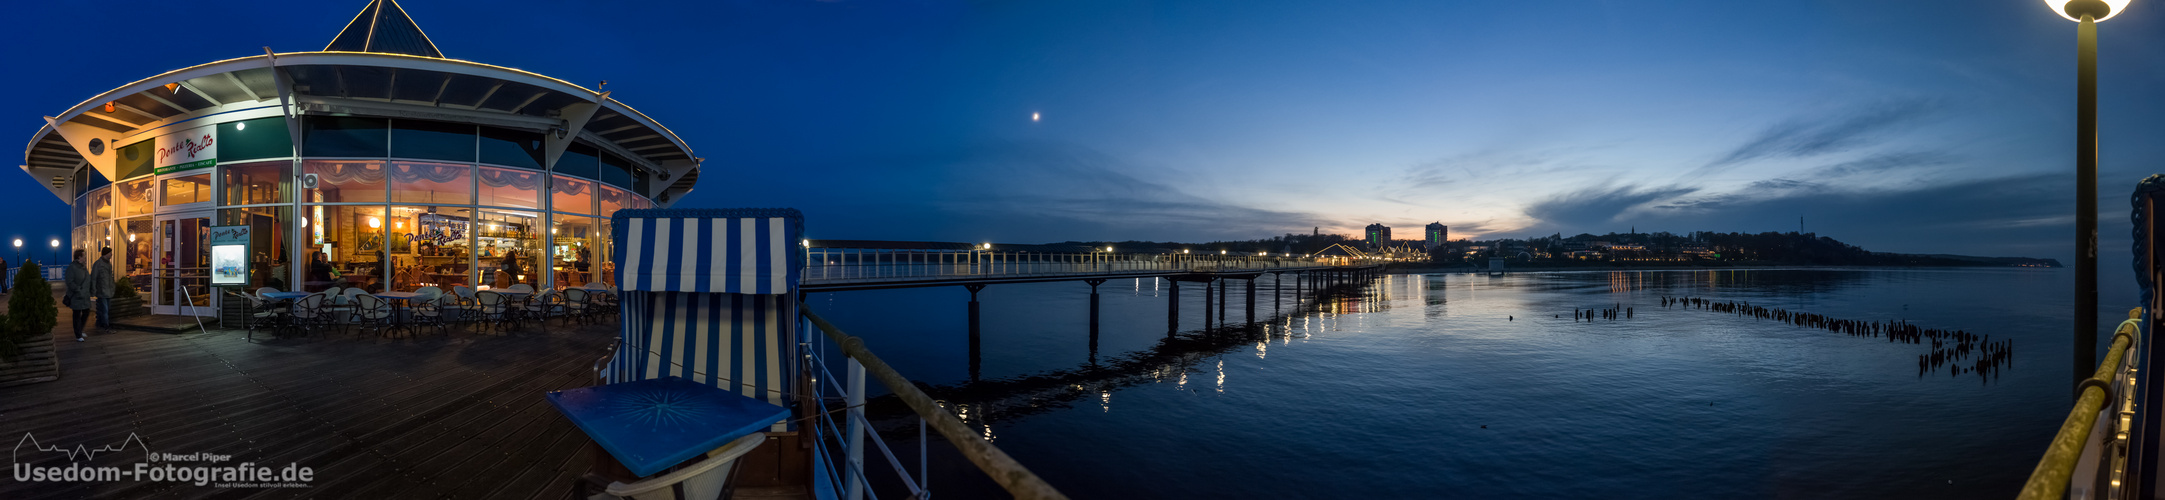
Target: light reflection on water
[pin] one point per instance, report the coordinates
(1385, 393)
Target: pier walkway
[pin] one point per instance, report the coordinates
(882, 265)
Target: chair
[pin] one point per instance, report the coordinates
(428, 308)
(698, 480)
(576, 306)
(462, 305)
(309, 312)
(540, 307)
(491, 307)
(255, 313)
(372, 311)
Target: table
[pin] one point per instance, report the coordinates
(398, 312)
(286, 297)
(653, 424)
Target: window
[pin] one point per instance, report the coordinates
(254, 139)
(256, 183)
(184, 190)
(512, 148)
(573, 195)
(342, 181)
(579, 160)
(134, 159)
(432, 140)
(505, 187)
(345, 136)
(348, 249)
(612, 199)
(98, 206)
(267, 242)
(432, 183)
(134, 198)
(616, 170)
(572, 259)
(439, 247)
(509, 244)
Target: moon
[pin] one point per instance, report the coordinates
(1033, 116)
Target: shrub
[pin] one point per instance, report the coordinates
(10, 343)
(123, 288)
(31, 310)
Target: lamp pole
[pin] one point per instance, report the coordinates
(2087, 13)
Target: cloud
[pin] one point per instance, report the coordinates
(1809, 137)
(1599, 205)
(1885, 162)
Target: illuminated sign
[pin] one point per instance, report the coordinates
(186, 150)
(229, 255)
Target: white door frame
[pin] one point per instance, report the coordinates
(197, 278)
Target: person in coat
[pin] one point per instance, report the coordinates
(77, 279)
(101, 281)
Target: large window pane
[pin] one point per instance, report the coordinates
(569, 194)
(267, 244)
(436, 250)
(432, 183)
(345, 181)
(134, 159)
(345, 136)
(256, 183)
(513, 148)
(580, 160)
(572, 259)
(431, 140)
(509, 244)
(134, 198)
(506, 187)
(611, 200)
(254, 139)
(348, 247)
(133, 258)
(616, 170)
(98, 206)
(605, 251)
(184, 190)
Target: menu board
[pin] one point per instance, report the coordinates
(229, 255)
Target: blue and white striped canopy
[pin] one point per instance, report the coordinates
(709, 250)
(736, 342)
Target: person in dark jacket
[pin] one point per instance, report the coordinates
(101, 285)
(78, 296)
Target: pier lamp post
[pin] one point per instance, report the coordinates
(18, 249)
(2088, 13)
(55, 252)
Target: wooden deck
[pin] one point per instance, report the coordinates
(438, 416)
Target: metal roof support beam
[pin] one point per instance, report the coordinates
(252, 95)
(486, 95)
(574, 120)
(138, 112)
(200, 93)
(287, 106)
(169, 104)
(81, 136)
(112, 119)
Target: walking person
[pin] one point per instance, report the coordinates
(78, 298)
(101, 281)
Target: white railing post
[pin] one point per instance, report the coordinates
(854, 448)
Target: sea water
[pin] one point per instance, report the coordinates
(1474, 386)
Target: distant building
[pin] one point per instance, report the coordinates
(1438, 235)
(1378, 235)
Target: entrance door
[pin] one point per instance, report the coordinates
(182, 265)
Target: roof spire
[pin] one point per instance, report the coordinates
(383, 27)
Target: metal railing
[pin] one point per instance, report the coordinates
(852, 264)
(850, 436)
(2066, 461)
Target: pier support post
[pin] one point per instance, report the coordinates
(977, 355)
(1222, 292)
(1277, 290)
(1251, 300)
(1094, 318)
(1209, 289)
(1172, 309)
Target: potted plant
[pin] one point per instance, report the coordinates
(26, 332)
(126, 302)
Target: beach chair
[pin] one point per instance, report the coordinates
(709, 296)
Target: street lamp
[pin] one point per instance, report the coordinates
(2088, 13)
(56, 250)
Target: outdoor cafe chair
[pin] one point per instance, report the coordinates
(255, 312)
(492, 308)
(428, 308)
(373, 311)
(540, 307)
(309, 313)
(577, 305)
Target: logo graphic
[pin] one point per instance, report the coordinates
(36, 462)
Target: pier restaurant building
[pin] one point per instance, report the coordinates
(376, 163)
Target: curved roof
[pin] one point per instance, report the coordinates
(376, 83)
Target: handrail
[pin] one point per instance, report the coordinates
(1011, 475)
(2050, 480)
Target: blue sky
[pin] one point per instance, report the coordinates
(1918, 126)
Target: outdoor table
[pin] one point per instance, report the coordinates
(287, 297)
(653, 424)
(514, 304)
(398, 312)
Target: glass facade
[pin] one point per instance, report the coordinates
(395, 205)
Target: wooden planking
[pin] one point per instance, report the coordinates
(432, 416)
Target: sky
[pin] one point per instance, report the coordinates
(1927, 126)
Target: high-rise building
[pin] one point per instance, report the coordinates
(1437, 235)
(1378, 235)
